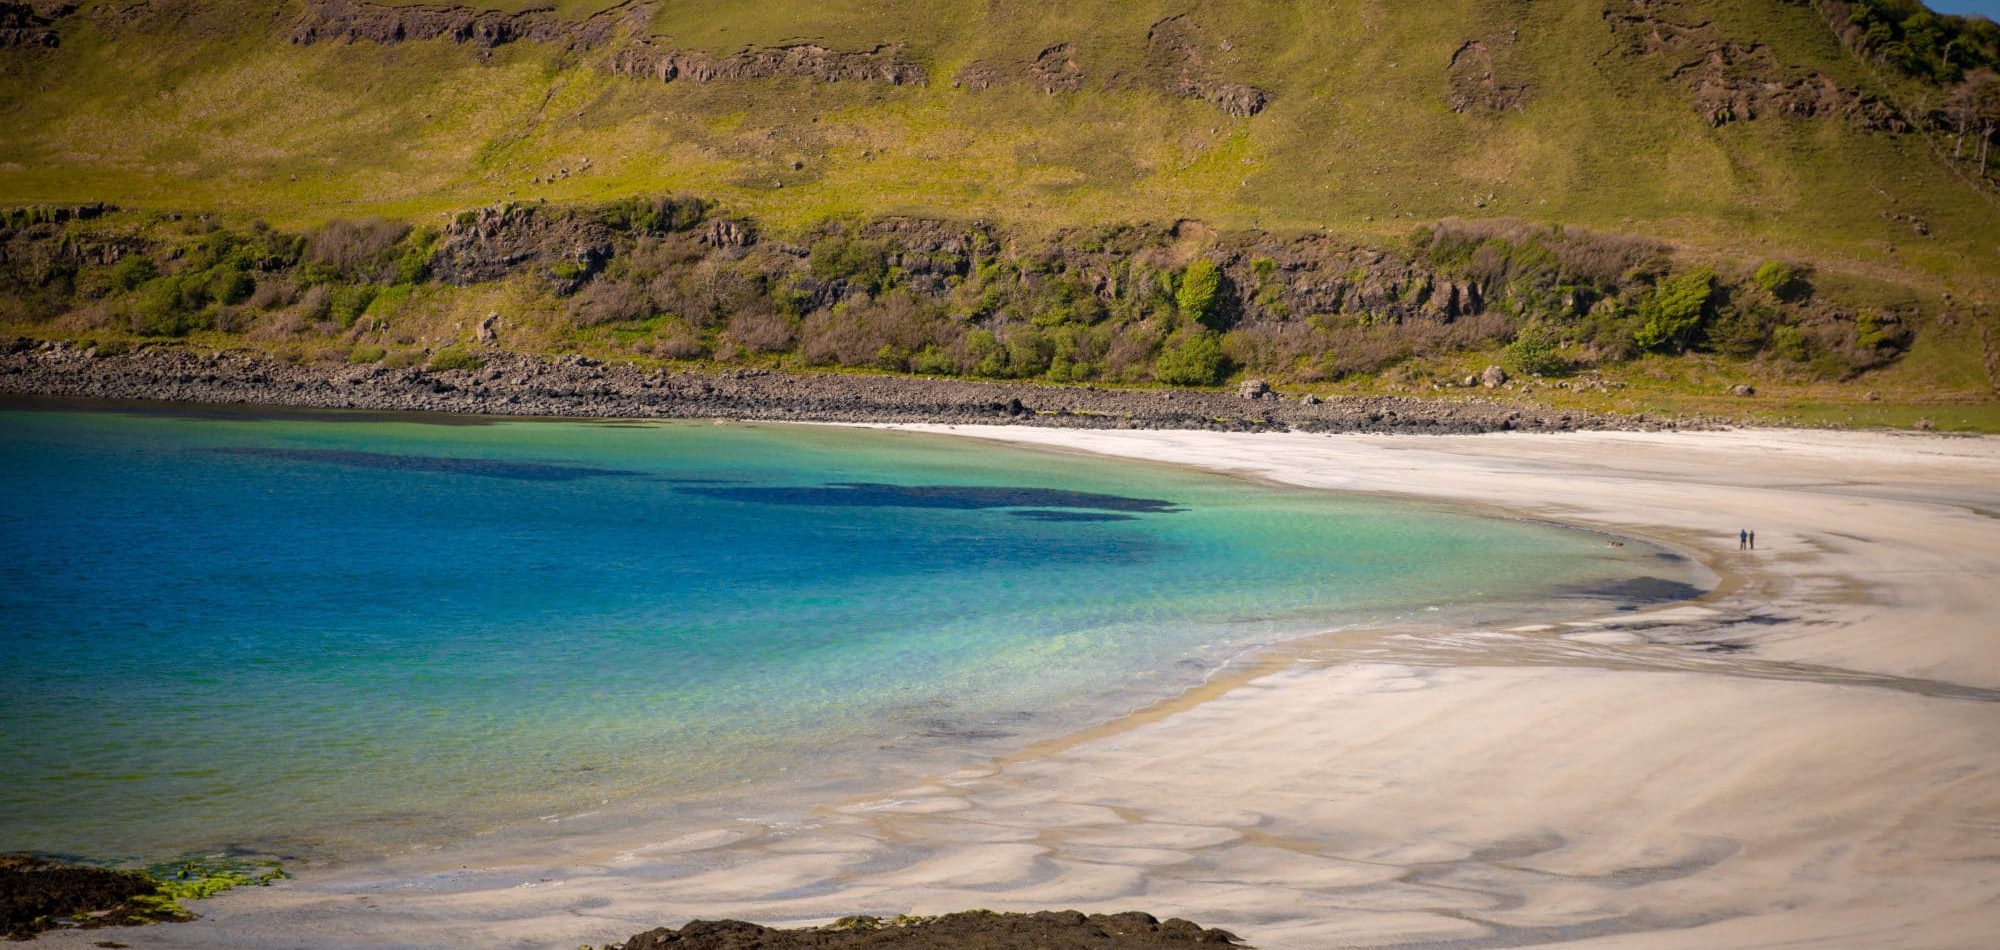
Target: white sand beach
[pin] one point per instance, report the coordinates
(1810, 756)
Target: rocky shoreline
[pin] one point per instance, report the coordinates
(521, 385)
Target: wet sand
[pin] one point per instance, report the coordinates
(1805, 757)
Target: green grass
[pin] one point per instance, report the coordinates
(225, 115)
(216, 113)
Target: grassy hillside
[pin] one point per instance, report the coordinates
(1582, 112)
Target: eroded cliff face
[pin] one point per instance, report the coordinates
(1481, 79)
(1730, 80)
(1176, 51)
(1055, 69)
(653, 58)
(31, 25)
(623, 27)
(355, 22)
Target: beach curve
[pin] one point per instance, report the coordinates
(1802, 756)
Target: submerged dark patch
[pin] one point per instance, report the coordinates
(485, 468)
(1644, 590)
(1043, 514)
(966, 497)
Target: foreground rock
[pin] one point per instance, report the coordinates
(514, 384)
(38, 895)
(1046, 930)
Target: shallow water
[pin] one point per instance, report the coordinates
(335, 635)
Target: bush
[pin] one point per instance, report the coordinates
(761, 331)
(453, 357)
(1534, 351)
(172, 306)
(358, 250)
(344, 304)
(931, 361)
(234, 286)
(1671, 316)
(1791, 343)
(653, 215)
(132, 270)
(1200, 285)
(1191, 358)
(414, 266)
(366, 354)
(864, 264)
(1777, 278)
(605, 301)
(1872, 332)
(1741, 332)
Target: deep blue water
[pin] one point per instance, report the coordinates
(331, 634)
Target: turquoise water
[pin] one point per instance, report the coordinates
(334, 634)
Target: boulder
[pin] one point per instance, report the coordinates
(486, 332)
(1493, 377)
(1743, 389)
(1253, 389)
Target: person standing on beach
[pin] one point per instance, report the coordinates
(1753, 540)
(1742, 539)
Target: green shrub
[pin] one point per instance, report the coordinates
(1200, 285)
(864, 264)
(1869, 330)
(132, 270)
(1791, 343)
(1029, 352)
(984, 352)
(233, 286)
(414, 266)
(1671, 317)
(1191, 358)
(1777, 278)
(172, 306)
(931, 361)
(366, 354)
(1741, 332)
(347, 303)
(653, 215)
(1534, 351)
(453, 357)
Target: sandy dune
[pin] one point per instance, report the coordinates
(1808, 757)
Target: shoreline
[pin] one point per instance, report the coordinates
(510, 384)
(1129, 817)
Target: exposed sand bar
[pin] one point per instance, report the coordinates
(1809, 757)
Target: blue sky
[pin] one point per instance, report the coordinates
(1985, 8)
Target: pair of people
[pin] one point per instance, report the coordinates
(1746, 539)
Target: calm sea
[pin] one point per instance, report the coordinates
(332, 635)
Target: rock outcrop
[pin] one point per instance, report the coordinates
(1055, 69)
(28, 26)
(1038, 931)
(1475, 83)
(1733, 81)
(357, 22)
(516, 384)
(491, 243)
(1174, 51)
(655, 59)
(649, 57)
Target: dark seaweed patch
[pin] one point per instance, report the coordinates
(963, 497)
(1644, 590)
(1045, 514)
(485, 468)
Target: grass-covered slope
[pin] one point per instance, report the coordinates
(210, 106)
(1735, 132)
